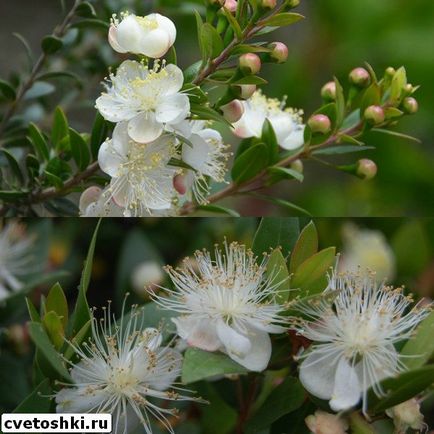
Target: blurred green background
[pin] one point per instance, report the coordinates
(335, 37)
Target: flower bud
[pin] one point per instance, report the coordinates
(366, 169)
(279, 52)
(231, 5)
(375, 115)
(179, 184)
(390, 72)
(233, 111)
(146, 277)
(326, 423)
(320, 124)
(250, 63)
(410, 105)
(89, 196)
(407, 415)
(269, 4)
(328, 92)
(360, 77)
(18, 336)
(292, 3)
(247, 90)
(298, 166)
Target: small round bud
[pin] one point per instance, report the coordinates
(326, 423)
(250, 63)
(179, 184)
(366, 169)
(247, 90)
(270, 4)
(231, 5)
(233, 111)
(408, 89)
(279, 52)
(298, 166)
(390, 71)
(410, 105)
(146, 277)
(360, 77)
(328, 91)
(292, 3)
(320, 124)
(375, 115)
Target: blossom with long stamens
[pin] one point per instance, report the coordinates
(286, 122)
(354, 327)
(15, 258)
(125, 371)
(228, 305)
(147, 99)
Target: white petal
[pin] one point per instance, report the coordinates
(121, 138)
(172, 80)
(129, 34)
(79, 400)
(258, 357)
(294, 141)
(155, 44)
(113, 39)
(130, 70)
(198, 333)
(173, 108)
(167, 25)
(283, 125)
(109, 159)
(170, 364)
(196, 155)
(144, 128)
(347, 391)
(89, 196)
(155, 338)
(236, 344)
(317, 374)
(113, 109)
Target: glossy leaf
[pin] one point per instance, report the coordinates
(39, 142)
(56, 301)
(51, 44)
(54, 328)
(284, 19)
(39, 401)
(305, 247)
(7, 90)
(278, 271)
(80, 150)
(250, 163)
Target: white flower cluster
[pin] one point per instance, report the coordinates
(157, 158)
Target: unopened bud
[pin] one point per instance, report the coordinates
(179, 184)
(292, 3)
(328, 91)
(407, 415)
(360, 77)
(298, 166)
(247, 90)
(320, 124)
(375, 115)
(146, 277)
(366, 169)
(231, 5)
(250, 63)
(408, 89)
(326, 423)
(410, 105)
(19, 338)
(233, 111)
(390, 71)
(279, 52)
(89, 196)
(270, 4)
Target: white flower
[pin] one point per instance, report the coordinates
(326, 423)
(354, 327)
(286, 122)
(152, 35)
(227, 305)
(146, 276)
(123, 371)
(407, 415)
(141, 180)
(15, 258)
(206, 154)
(96, 202)
(367, 249)
(148, 99)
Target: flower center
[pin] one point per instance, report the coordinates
(121, 380)
(147, 23)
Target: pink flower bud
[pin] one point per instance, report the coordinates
(326, 423)
(179, 184)
(279, 52)
(366, 169)
(360, 77)
(328, 92)
(320, 124)
(250, 63)
(233, 111)
(247, 90)
(231, 5)
(410, 105)
(375, 115)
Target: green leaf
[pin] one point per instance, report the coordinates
(39, 142)
(342, 150)
(402, 388)
(359, 425)
(211, 41)
(340, 104)
(246, 48)
(60, 74)
(207, 113)
(92, 24)
(85, 10)
(81, 313)
(56, 301)
(39, 401)
(60, 129)
(284, 19)
(54, 328)
(39, 89)
(12, 196)
(199, 364)
(420, 347)
(269, 138)
(77, 340)
(99, 134)
(310, 278)
(53, 180)
(51, 44)
(250, 79)
(33, 313)
(233, 23)
(305, 247)
(276, 232)
(399, 81)
(289, 206)
(13, 165)
(43, 344)
(199, 26)
(216, 209)
(372, 96)
(285, 398)
(191, 72)
(285, 173)
(250, 163)
(80, 150)
(7, 90)
(397, 135)
(278, 271)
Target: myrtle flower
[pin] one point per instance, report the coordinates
(96, 202)
(147, 99)
(354, 328)
(15, 258)
(205, 153)
(286, 122)
(125, 371)
(227, 305)
(151, 36)
(142, 182)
